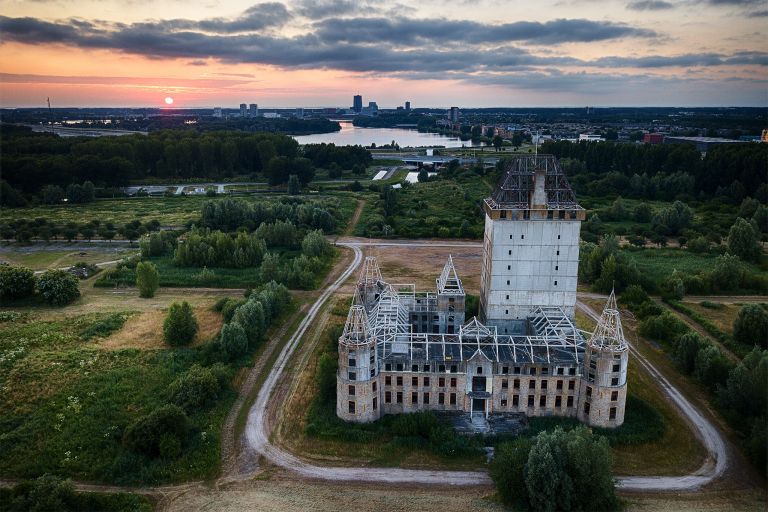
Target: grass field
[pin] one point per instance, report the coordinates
(57, 255)
(722, 316)
(66, 402)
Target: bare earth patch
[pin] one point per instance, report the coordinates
(145, 331)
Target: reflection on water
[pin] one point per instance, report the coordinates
(351, 135)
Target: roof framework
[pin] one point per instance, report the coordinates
(609, 334)
(516, 186)
(449, 282)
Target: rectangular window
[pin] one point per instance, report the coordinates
(374, 385)
(352, 376)
(614, 396)
(516, 369)
(569, 402)
(561, 371)
(615, 381)
(558, 253)
(516, 384)
(510, 253)
(505, 370)
(509, 267)
(399, 367)
(571, 385)
(373, 372)
(351, 390)
(616, 367)
(426, 381)
(558, 401)
(388, 380)
(522, 237)
(544, 384)
(542, 401)
(453, 382)
(414, 367)
(571, 371)
(555, 283)
(441, 382)
(399, 381)
(351, 406)
(503, 402)
(532, 371)
(504, 383)
(589, 391)
(441, 368)
(441, 398)
(426, 398)
(545, 370)
(353, 362)
(612, 413)
(388, 367)
(454, 368)
(388, 397)
(414, 381)
(414, 398)
(507, 285)
(559, 384)
(453, 398)
(399, 397)
(503, 214)
(515, 400)
(530, 400)
(374, 403)
(557, 267)
(531, 384)
(425, 368)
(586, 408)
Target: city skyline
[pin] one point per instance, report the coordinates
(305, 54)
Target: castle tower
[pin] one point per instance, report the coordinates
(369, 283)
(450, 299)
(603, 387)
(357, 388)
(530, 244)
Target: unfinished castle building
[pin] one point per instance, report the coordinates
(403, 351)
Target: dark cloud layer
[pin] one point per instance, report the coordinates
(650, 5)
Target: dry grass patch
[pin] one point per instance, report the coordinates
(722, 317)
(145, 331)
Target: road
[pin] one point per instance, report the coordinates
(257, 430)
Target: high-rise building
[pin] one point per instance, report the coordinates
(453, 115)
(407, 105)
(243, 110)
(254, 110)
(357, 103)
(300, 112)
(216, 111)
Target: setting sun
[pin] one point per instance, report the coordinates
(168, 100)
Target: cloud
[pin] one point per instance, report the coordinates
(187, 83)
(759, 14)
(407, 31)
(686, 60)
(650, 5)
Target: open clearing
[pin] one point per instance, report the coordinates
(59, 255)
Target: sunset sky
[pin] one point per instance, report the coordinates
(302, 53)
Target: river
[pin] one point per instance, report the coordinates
(351, 135)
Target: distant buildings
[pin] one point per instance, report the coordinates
(357, 103)
(243, 110)
(653, 138)
(703, 144)
(453, 115)
(254, 110)
(217, 112)
(300, 112)
(591, 137)
(408, 105)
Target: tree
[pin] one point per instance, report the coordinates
(250, 316)
(52, 194)
(180, 325)
(146, 434)
(685, 351)
(45, 493)
(314, 244)
(711, 368)
(643, 213)
(423, 176)
(760, 219)
(618, 210)
(508, 472)
(497, 142)
(743, 240)
(517, 140)
(195, 388)
(16, 282)
(751, 326)
(147, 279)
(294, 186)
(233, 342)
(672, 287)
(57, 287)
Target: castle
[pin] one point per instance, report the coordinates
(403, 351)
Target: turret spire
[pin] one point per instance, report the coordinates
(608, 333)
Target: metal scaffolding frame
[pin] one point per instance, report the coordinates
(609, 334)
(516, 186)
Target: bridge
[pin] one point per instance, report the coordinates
(421, 160)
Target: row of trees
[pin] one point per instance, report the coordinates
(205, 248)
(54, 287)
(43, 228)
(231, 214)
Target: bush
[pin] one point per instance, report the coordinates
(197, 387)
(508, 472)
(147, 279)
(711, 367)
(634, 295)
(146, 433)
(16, 282)
(229, 308)
(104, 327)
(751, 326)
(46, 493)
(180, 325)
(251, 317)
(665, 327)
(686, 349)
(58, 287)
(233, 342)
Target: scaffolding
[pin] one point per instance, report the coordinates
(449, 282)
(516, 186)
(609, 334)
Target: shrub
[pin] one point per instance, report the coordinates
(104, 327)
(686, 349)
(58, 287)
(711, 367)
(508, 472)
(672, 288)
(46, 493)
(634, 295)
(195, 388)
(233, 341)
(751, 326)
(147, 279)
(146, 433)
(16, 282)
(664, 327)
(229, 308)
(180, 325)
(251, 317)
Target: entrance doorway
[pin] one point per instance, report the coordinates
(478, 406)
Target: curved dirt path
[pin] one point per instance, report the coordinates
(717, 459)
(257, 430)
